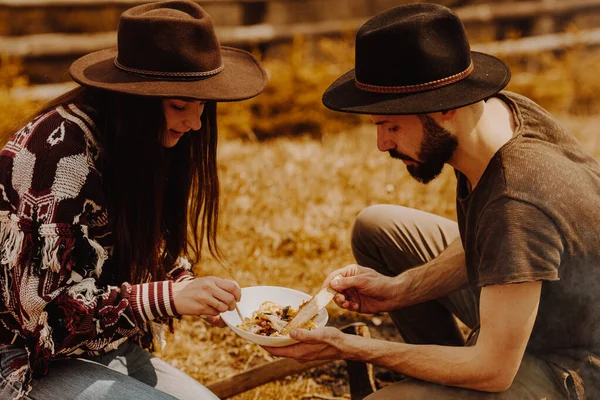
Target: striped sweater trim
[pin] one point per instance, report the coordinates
(153, 300)
(181, 271)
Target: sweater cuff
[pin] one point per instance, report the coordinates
(186, 276)
(152, 300)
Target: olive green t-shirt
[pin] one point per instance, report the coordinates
(535, 215)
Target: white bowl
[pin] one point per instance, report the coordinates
(253, 297)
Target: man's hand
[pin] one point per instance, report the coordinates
(363, 289)
(208, 297)
(320, 344)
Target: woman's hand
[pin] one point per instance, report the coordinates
(207, 297)
(363, 289)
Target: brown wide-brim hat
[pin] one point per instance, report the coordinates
(415, 59)
(169, 49)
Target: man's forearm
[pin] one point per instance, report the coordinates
(443, 275)
(452, 366)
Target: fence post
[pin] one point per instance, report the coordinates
(254, 12)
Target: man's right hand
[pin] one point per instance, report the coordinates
(363, 289)
(208, 296)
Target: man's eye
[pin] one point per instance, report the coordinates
(178, 108)
(393, 129)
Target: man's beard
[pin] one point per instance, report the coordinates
(437, 148)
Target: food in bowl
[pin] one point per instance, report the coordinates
(271, 318)
(253, 297)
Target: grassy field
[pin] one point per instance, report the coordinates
(288, 203)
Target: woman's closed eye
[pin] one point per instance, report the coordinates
(178, 107)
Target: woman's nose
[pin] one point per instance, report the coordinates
(193, 119)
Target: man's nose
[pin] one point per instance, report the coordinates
(384, 141)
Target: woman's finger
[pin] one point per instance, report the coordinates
(230, 287)
(216, 321)
(208, 311)
(217, 304)
(224, 297)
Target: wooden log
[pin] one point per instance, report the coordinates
(257, 376)
(361, 377)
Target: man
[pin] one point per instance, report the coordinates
(521, 268)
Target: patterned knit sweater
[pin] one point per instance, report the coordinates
(55, 240)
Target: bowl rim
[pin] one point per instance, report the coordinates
(323, 314)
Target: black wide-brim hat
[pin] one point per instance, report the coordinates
(169, 49)
(415, 59)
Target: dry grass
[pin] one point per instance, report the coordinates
(288, 204)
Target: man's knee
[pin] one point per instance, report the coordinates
(367, 223)
(374, 223)
(377, 227)
(368, 227)
(415, 389)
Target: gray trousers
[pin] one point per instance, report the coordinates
(392, 239)
(127, 373)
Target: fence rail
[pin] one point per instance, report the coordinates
(98, 3)
(35, 49)
(63, 44)
(523, 46)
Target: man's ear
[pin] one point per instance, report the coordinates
(448, 114)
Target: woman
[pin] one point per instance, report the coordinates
(105, 194)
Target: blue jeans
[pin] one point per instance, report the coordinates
(127, 373)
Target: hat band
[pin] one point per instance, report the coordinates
(416, 88)
(171, 75)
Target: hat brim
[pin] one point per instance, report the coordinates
(489, 76)
(241, 78)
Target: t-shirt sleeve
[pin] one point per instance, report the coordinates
(517, 242)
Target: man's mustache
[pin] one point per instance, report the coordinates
(399, 156)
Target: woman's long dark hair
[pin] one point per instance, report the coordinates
(162, 203)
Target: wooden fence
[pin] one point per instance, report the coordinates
(263, 22)
(534, 13)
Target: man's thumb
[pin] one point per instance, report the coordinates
(340, 284)
(301, 335)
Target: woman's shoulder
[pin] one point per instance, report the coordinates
(66, 129)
